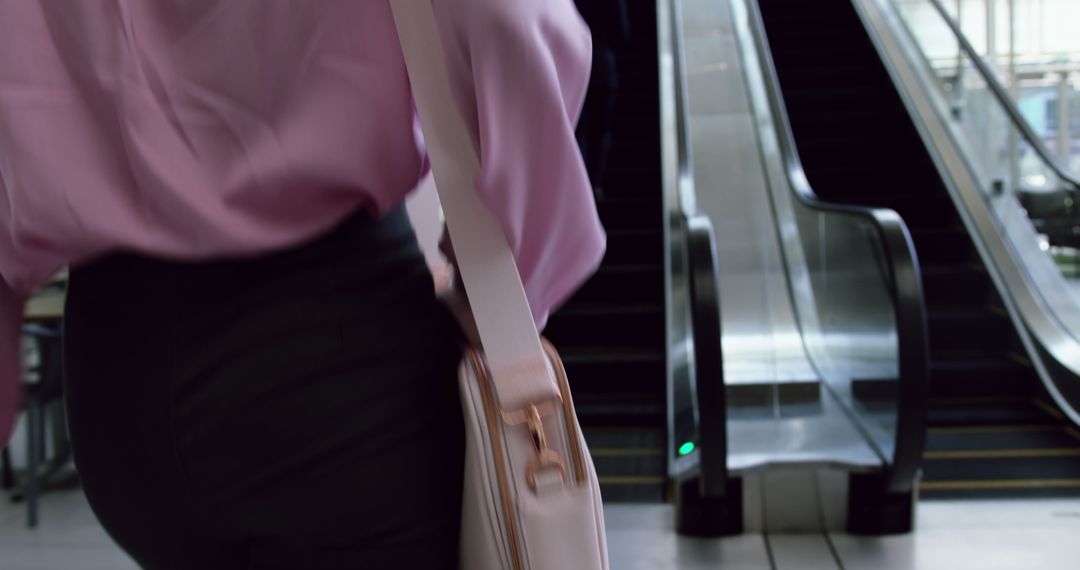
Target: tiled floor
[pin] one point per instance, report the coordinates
(1006, 535)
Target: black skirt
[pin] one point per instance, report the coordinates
(295, 410)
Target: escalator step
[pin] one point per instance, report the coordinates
(621, 384)
(625, 409)
(637, 489)
(957, 285)
(800, 55)
(630, 461)
(638, 328)
(630, 212)
(919, 210)
(947, 245)
(971, 413)
(635, 151)
(987, 447)
(858, 185)
(1033, 472)
(832, 74)
(841, 153)
(856, 96)
(622, 461)
(1040, 435)
(988, 374)
(624, 284)
(611, 378)
(629, 438)
(634, 246)
(632, 181)
(965, 329)
(830, 120)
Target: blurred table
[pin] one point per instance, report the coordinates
(45, 306)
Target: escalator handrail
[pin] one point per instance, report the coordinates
(903, 273)
(704, 291)
(707, 327)
(1002, 95)
(704, 283)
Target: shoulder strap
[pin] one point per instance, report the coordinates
(514, 354)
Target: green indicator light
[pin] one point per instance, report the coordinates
(687, 448)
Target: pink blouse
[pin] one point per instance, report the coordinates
(191, 129)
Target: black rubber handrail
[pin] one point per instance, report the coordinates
(704, 293)
(708, 356)
(1006, 100)
(903, 273)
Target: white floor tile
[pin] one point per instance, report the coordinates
(642, 537)
(801, 552)
(982, 535)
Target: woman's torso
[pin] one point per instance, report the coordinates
(192, 128)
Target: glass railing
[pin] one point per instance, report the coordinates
(1033, 48)
(1031, 191)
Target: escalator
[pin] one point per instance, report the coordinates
(780, 323)
(611, 334)
(989, 415)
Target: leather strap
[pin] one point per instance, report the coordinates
(515, 357)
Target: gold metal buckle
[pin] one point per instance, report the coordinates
(546, 458)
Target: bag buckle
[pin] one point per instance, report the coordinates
(546, 459)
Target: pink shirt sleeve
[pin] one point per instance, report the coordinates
(520, 70)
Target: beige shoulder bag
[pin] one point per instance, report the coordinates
(531, 497)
